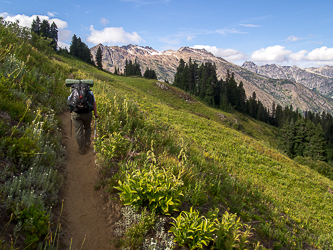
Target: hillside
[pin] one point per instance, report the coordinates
(268, 90)
(198, 175)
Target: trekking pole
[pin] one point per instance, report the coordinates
(95, 135)
(71, 124)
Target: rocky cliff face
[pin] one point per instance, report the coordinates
(276, 87)
(318, 79)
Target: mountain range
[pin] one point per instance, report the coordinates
(305, 89)
(318, 79)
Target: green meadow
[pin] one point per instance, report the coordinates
(187, 174)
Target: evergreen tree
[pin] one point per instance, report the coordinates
(150, 74)
(241, 106)
(45, 29)
(286, 138)
(99, 58)
(74, 47)
(317, 141)
(300, 139)
(179, 74)
(132, 69)
(54, 36)
(80, 50)
(35, 26)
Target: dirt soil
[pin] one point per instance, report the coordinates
(88, 217)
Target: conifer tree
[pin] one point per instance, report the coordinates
(35, 26)
(80, 50)
(45, 29)
(54, 36)
(241, 98)
(99, 58)
(300, 137)
(317, 141)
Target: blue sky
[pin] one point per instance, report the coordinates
(293, 32)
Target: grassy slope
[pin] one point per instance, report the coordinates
(289, 194)
(292, 191)
(299, 196)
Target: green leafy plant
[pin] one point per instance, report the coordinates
(191, 229)
(229, 235)
(157, 188)
(32, 222)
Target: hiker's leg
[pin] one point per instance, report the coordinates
(78, 125)
(87, 117)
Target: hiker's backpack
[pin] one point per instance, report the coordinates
(81, 100)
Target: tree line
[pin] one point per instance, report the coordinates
(225, 94)
(308, 135)
(134, 69)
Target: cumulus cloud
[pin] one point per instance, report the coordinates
(26, 21)
(321, 54)
(303, 58)
(228, 54)
(113, 35)
(298, 56)
(275, 53)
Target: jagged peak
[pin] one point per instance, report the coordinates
(248, 63)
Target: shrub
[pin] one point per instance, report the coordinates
(157, 188)
(191, 229)
(33, 222)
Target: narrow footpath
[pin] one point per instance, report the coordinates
(85, 215)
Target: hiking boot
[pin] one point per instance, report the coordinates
(82, 152)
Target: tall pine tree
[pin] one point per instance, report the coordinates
(99, 58)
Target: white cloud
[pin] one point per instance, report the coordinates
(250, 25)
(303, 58)
(275, 53)
(321, 54)
(64, 35)
(51, 14)
(227, 54)
(293, 39)
(63, 45)
(298, 56)
(26, 21)
(229, 31)
(104, 21)
(113, 35)
(190, 38)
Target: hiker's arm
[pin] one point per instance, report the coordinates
(95, 110)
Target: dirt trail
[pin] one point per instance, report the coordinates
(84, 215)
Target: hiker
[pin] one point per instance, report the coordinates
(81, 103)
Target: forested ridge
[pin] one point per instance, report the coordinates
(301, 133)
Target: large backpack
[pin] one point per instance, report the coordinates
(81, 100)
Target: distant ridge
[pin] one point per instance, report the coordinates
(283, 91)
(319, 79)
